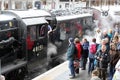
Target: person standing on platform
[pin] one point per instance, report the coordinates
(103, 58)
(98, 36)
(78, 52)
(114, 57)
(71, 57)
(85, 45)
(92, 52)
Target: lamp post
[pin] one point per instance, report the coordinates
(2, 5)
(53, 4)
(69, 4)
(73, 3)
(89, 3)
(9, 4)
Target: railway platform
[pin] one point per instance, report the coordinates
(61, 72)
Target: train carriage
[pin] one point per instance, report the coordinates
(72, 26)
(78, 22)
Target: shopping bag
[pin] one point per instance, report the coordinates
(76, 63)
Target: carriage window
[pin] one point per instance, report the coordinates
(88, 21)
(62, 31)
(84, 21)
(42, 31)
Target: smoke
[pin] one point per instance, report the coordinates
(52, 56)
(104, 23)
(51, 49)
(107, 22)
(89, 34)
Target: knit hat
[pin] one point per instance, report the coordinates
(71, 39)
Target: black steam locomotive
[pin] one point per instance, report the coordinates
(23, 35)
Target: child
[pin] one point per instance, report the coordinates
(95, 74)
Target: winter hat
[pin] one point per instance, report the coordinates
(71, 39)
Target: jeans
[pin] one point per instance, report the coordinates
(111, 72)
(91, 65)
(71, 67)
(83, 62)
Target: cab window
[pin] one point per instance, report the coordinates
(42, 31)
(32, 32)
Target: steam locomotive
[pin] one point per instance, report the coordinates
(24, 36)
(22, 32)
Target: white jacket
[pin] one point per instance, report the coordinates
(117, 72)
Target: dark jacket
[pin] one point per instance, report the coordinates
(70, 52)
(105, 59)
(114, 57)
(85, 45)
(85, 49)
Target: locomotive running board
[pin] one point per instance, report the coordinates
(12, 66)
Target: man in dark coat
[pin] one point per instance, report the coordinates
(103, 58)
(70, 57)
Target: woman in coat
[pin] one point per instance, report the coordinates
(79, 49)
(114, 57)
(85, 45)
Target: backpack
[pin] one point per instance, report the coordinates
(93, 48)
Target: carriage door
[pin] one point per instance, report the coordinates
(40, 48)
(30, 40)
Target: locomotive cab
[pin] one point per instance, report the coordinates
(33, 31)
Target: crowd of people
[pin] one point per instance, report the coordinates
(101, 52)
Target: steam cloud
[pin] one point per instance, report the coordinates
(51, 49)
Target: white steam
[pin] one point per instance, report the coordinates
(51, 49)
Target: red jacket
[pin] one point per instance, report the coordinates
(30, 43)
(79, 50)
